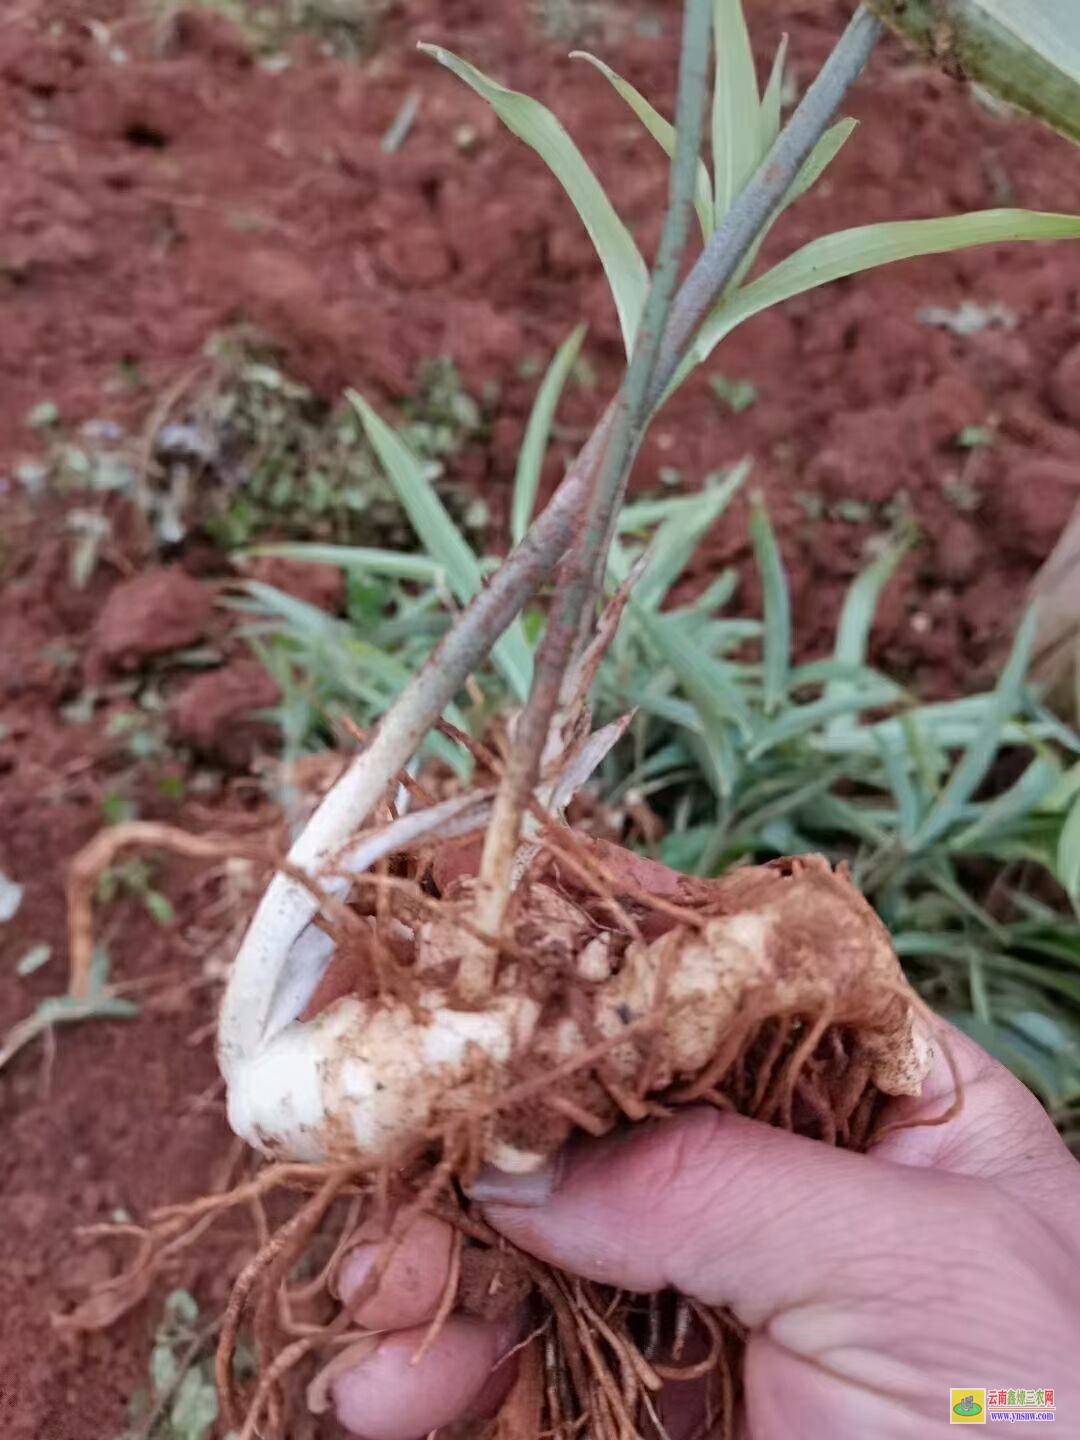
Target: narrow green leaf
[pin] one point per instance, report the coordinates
(1068, 857)
(1012, 805)
(393, 564)
(661, 130)
(715, 595)
(860, 605)
(857, 617)
(908, 807)
(538, 431)
(33, 960)
(799, 719)
(718, 698)
(440, 537)
(821, 157)
(534, 123)
(776, 605)
(770, 101)
(849, 252)
(678, 537)
(986, 742)
(736, 126)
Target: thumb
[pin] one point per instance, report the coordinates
(732, 1212)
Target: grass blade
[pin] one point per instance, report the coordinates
(392, 564)
(716, 697)
(821, 157)
(678, 537)
(538, 431)
(799, 719)
(857, 619)
(1014, 804)
(534, 123)
(776, 604)
(736, 130)
(440, 537)
(1068, 856)
(661, 130)
(984, 746)
(770, 101)
(908, 805)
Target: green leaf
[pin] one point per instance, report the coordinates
(164, 1369)
(159, 907)
(848, 252)
(195, 1408)
(821, 157)
(908, 804)
(1012, 806)
(662, 131)
(393, 564)
(678, 537)
(985, 744)
(534, 123)
(737, 395)
(537, 432)
(440, 537)
(777, 607)
(181, 1308)
(33, 960)
(1068, 856)
(815, 165)
(801, 719)
(857, 618)
(770, 101)
(736, 123)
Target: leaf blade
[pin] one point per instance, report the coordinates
(535, 124)
(776, 602)
(866, 247)
(736, 132)
(661, 130)
(439, 535)
(538, 431)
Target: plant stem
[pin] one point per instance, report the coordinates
(717, 264)
(577, 585)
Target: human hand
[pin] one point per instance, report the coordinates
(870, 1284)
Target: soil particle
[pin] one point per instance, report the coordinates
(160, 610)
(959, 552)
(1033, 503)
(1065, 385)
(213, 713)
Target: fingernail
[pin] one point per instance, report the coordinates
(496, 1187)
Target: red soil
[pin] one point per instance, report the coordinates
(147, 203)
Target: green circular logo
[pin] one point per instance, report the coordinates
(970, 1406)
